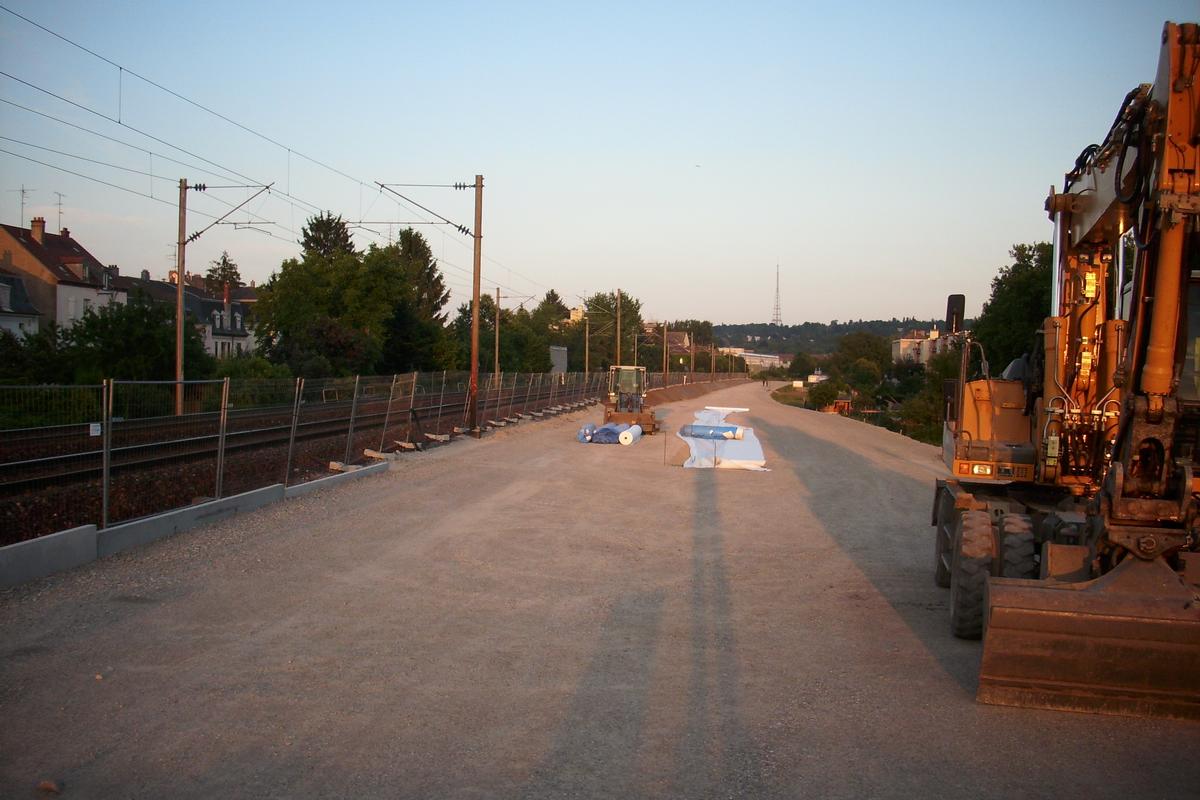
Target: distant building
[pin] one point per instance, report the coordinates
(17, 315)
(226, 325)
(576, 314)
(558, 359)
(62, 280)
(918, 347)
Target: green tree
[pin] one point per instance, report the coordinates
(220, 273)
(802, 365)
(326, 236)
(550, 313)
(1020, 301)
(823, 394)
(134, 341)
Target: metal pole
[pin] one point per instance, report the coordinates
(1056, 267)
(617, 352)
(106, 403)
(666, 348)
(512, 397)
(387, 413)
(180, 247)
(1118, 300)
(221, 435)
(496, 367)
(353, 412)
(473, 390)
(292, 436)
(587, 341)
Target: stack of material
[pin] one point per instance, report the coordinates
(610, 433)
(713, 444)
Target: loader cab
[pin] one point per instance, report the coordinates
(626, 388)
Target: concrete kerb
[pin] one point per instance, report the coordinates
(55, 552)
(143, 531)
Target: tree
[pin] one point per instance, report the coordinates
(222, 272)
(822, 395)
(427, 289)
(135, 341)
(1020, 301)
(326, 236)
(802, 365)
(550, 312)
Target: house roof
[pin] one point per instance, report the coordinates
(195, 302)
(56, 251)
(18, 297)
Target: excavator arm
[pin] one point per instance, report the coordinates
(1112, 625)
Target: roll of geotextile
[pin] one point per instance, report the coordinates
(610, 433)
(586, 432)
(713, 431)
(631, 435)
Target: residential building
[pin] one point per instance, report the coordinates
(226, 325)
(17, 315)
(918, 347)
(62, 279)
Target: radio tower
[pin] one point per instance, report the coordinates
(776, 318)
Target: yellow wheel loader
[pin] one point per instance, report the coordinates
(1069, 534)
(626, 399)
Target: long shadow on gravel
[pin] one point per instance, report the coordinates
(906, 582)
(717, 757)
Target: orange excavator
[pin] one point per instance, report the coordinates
(1069, 534)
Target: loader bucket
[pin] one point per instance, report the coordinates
(1125, 643)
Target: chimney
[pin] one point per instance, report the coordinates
(66, 234)
(173, 277)
(251, 284)
(113, 269)
(145, 274)
(37, 228)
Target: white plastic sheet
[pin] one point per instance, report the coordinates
(745, 453)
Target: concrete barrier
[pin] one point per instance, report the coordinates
(55, 552)
(301, 489)
(121, 537)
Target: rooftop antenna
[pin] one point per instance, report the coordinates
(777, 318)
(23, 191)
(60, 197)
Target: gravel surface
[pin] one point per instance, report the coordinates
(525, 616)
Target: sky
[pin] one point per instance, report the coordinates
(882, 155)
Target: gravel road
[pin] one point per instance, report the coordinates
(526, 617)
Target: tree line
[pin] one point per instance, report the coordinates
(336, 310)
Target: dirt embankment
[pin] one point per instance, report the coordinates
(670, 394)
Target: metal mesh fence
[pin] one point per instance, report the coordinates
(51, 453)
(75, 455)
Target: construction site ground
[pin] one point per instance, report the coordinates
(524, 616)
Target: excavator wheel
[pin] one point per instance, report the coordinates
(1017, 547)
(973, 543)
(943, 539)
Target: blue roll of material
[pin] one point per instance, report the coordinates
(610, 433)
(712, 431)
(586, 432)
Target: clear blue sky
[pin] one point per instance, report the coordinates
(884, 154)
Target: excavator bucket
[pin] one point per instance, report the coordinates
(1125, 643)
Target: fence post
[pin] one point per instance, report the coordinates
(106, 404)
(353, 413)
(221, 435)
(437, 428)
(412, 405)
(388, 413)
(287, 475)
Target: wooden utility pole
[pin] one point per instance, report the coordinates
(692, 357)
(180, 246)
(712, 360)
(473, 395)
(617, 360)
(587, 341)
(496, 365)
(666, 352)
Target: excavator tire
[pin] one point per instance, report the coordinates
(1017, 547)
(973, 546)
(943, 539)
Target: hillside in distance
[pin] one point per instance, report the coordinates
(814, 337)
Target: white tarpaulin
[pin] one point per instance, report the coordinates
(744, 453)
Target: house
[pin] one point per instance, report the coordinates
(17, 314)
(918, 347)
(61, 278)
(225, 324)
